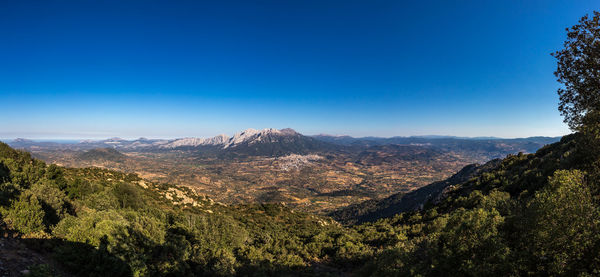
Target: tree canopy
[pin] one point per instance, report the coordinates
(579, 71)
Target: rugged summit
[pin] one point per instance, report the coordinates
(252, 142)
(194, 142)
(272, 142)
(246, 137)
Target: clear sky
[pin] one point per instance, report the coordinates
(96, 69)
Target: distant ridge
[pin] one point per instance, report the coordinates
(102, 154)
(450, 143)
(274, 142)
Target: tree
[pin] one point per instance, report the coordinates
(562, 225)
(579, 71)
(471, 244)
(26, 215)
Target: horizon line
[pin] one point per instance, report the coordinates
(129, 138)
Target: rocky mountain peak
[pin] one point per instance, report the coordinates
(288, 131)
(252, 135)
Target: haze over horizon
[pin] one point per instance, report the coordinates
(141, 69)
(73, 139)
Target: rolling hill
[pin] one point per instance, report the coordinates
(102, 155)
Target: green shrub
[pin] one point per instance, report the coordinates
(26, 215)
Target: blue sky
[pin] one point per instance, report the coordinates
(96, 69)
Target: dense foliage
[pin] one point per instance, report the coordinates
(579, 71)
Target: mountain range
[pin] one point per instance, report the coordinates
(247, 138)
(273, 142)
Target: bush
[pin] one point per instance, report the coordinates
(26, 215)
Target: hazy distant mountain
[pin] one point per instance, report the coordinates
(22, 140)
(27, 144)
(432, 139)
(480, 146)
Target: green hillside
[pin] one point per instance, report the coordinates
(532, 215)
(372, 210)
(102, 154)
